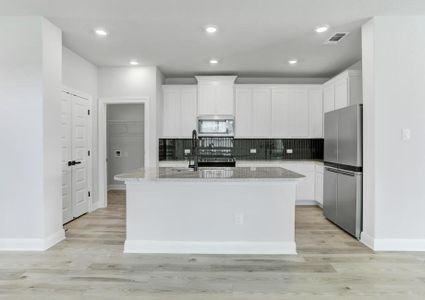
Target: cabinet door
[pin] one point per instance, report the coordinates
(244, 113)
(261, 112)
(206, 99)
(315, 105)
(297, 117)
(319, 188)
(171, 116)
(330, 194)
(188, 111)
(341, 93)
(224, 101)
(279, 113)
(328, 98)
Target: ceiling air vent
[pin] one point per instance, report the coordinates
(336, 38)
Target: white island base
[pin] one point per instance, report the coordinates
(207, 216)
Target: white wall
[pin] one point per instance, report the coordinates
(125, 133)
(82, 76)
(30, 177)
(394, 99)
(135, 82)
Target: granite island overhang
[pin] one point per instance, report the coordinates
(211, 211)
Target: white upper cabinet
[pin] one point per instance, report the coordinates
(216, 95)
(243, 119)
(290, 112)
(179, 110)
(261, 112)
(315, 109)
(328, 97)
(343, 90)
(279, 111)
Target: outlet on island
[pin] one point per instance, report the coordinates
(253, 151)
(289, 151)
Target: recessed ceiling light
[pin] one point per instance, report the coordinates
(293, 61)
(321, 28)
(213, 61)
(101, 32)
(211, 29)
(134, 62)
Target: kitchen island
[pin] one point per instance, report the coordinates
(211, 211)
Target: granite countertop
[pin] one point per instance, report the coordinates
(210, 174)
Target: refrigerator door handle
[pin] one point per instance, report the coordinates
(338, 171)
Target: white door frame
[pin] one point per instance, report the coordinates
(83, 95)
(103, 170)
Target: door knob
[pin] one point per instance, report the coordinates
(76, 162)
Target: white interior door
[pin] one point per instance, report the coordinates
(80, 130)
(66, 157)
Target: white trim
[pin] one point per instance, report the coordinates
(367, 240)
(116, 187)
(393, 244)
(189, 247)
(32, 244)
(103, 102)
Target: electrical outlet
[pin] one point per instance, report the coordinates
(405, 134)
(239, 218)
(289, 151)
(117, 153)
(253, 151)
(186, 151)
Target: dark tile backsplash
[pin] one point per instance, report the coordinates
(266, 149)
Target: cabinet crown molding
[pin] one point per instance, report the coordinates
(216, 79)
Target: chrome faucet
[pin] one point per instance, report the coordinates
(195, 155)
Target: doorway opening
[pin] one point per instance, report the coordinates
(125, 142)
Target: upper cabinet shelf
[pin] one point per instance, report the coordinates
(343, 90)
(279, 111)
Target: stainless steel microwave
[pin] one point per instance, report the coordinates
(216, 126)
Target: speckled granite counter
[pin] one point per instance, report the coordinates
(211, 174)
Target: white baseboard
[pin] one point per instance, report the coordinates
(393, 244)
(367, 240)
(307, 203)
(117, 187)
(187, 247)
(32, 244)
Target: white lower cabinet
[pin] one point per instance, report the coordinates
(319, 184)
(309, 188)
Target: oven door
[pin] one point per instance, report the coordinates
(215, 127)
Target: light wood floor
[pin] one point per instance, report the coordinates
(90, 264)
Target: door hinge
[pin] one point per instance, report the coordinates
(88, 152)
(89, 194)
(88, 112)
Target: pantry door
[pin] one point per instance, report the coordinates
(80, 148)
(66, 157)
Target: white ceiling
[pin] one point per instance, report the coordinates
(255, 37)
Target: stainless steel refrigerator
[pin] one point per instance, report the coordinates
(343, 156)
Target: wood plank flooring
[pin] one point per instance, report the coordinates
(90, 264)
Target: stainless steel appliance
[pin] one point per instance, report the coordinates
(342, 199)
(216, 126)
